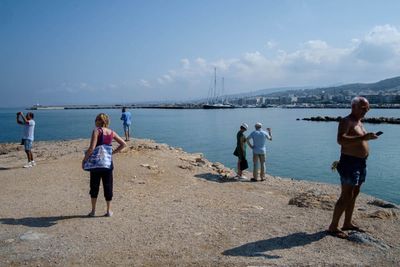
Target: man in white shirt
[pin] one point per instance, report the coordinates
(259, 137)
(27, 135)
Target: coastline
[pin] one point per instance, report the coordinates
(201, 106)
(174, 208)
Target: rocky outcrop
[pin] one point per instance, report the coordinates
(314, 199)
(379, 120)
(383, 204)
(367, 239)
(383, 214)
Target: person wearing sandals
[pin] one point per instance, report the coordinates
(259, 137)
(352, 167)
(102, 135)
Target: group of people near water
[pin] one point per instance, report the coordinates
(352, 168)
(258, 145)
(101, 135)
(351, 136)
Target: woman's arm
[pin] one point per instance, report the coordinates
(248, 141)
(121, 143)
(242, 142)
(93, 142)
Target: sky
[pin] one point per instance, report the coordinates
(121, 52)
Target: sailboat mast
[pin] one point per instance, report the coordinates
(223, 89)
(215, 85)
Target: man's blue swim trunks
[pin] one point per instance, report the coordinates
(352, 170)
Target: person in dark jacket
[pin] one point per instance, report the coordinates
(240, 150)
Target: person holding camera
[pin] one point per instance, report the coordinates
(259, 137)
(27, 135)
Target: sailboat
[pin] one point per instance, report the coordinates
(213, 102)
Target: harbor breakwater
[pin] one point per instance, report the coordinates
(374, 120)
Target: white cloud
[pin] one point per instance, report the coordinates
(185, 63)
(166, 78)
(73, 87)
(144, 83)
(271, 44)
(364, 59)
(201, 62)
(381, 45)
(385, 34)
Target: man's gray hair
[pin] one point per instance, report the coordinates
(357, 100)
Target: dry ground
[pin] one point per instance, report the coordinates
(172, 208)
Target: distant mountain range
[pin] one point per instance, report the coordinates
(386, 86)
(268, 91)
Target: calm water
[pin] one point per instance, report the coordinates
(300, 149)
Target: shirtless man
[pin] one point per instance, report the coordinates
(353, 139)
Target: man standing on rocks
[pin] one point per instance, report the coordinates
(27, 135)
(353, 139)
(259, 137)
(240, 150)
(126, 118)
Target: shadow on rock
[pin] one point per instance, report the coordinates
(38, 221)
(260, 248)
(9, 168)
(212, 177)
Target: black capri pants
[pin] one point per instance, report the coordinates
(106, 175)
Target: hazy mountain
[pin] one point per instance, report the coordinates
(387, 85)
(267, 91)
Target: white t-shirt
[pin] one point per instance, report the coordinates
(28, 130)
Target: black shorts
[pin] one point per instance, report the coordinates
(352, 170)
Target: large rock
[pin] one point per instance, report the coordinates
(314, 199)
(382, 204)
(30, 236)
(366, 239)
(383, 214)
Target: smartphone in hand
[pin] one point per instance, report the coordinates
(379, 133)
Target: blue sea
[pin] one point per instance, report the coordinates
(300, 149)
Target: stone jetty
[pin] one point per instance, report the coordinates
(375, 120)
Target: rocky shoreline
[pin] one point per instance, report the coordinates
(379, 120)
(172, 208)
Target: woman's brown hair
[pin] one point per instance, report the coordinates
(103, 120)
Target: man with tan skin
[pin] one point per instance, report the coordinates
(353, 139)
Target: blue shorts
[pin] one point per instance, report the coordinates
(27, 144)
(126, 127)
(352, 170)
